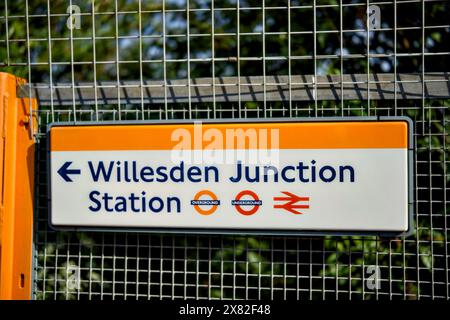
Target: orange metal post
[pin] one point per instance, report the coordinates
(16, 191)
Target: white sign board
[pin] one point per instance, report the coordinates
(346, 177)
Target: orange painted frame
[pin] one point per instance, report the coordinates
(321, 135)
(16, 190)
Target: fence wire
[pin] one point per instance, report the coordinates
(221, 59)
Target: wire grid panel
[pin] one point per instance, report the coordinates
(68, 50)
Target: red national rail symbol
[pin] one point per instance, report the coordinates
(290, 202)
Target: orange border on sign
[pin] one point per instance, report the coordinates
(292, 135)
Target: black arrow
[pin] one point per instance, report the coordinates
(64, 171)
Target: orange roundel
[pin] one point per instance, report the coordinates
(212, 195)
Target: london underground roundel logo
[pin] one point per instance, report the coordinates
(253, 203)
(212, 202)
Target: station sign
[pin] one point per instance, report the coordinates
(279, 177)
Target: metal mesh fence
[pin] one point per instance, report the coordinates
(218, 59)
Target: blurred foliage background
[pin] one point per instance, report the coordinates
(127, 40)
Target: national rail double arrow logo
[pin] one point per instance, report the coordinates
(290, 202)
